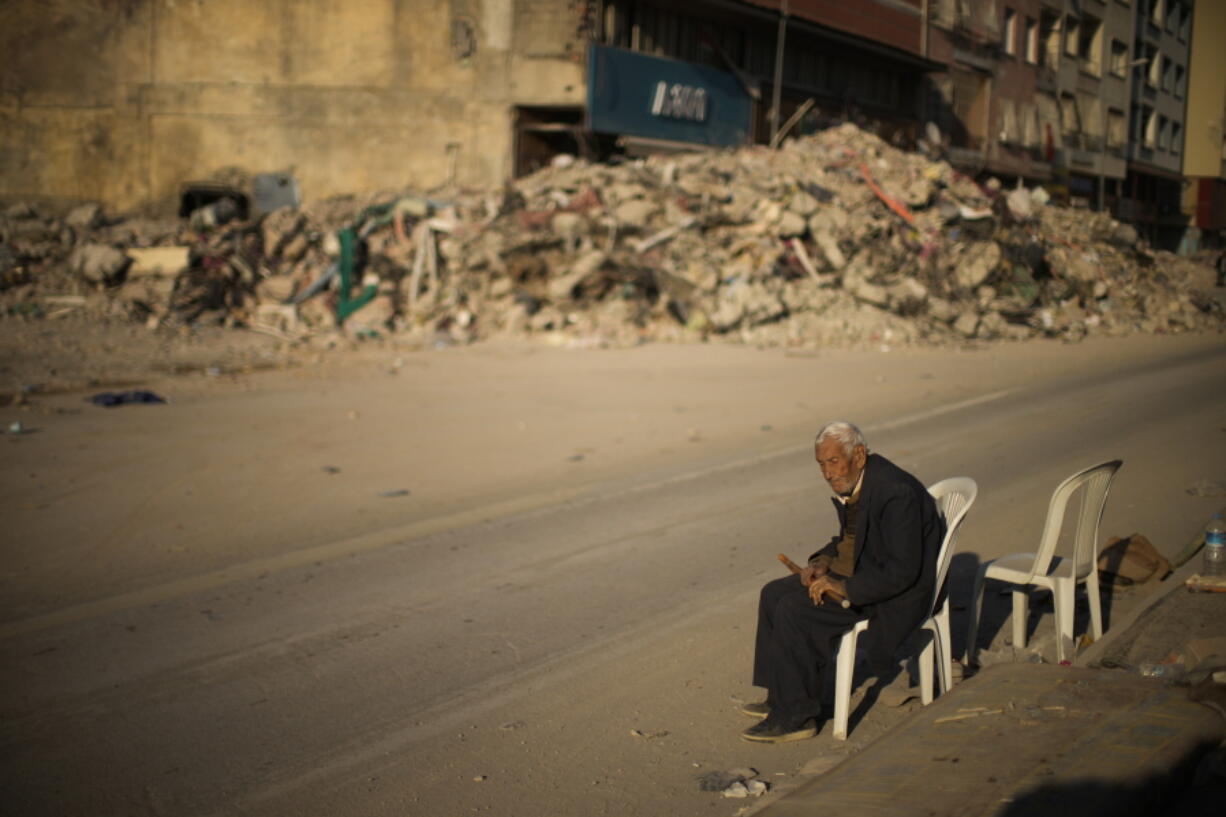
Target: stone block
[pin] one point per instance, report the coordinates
(978, 261)
(157, 262)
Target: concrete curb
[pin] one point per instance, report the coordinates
(1124, 625)
(1021, 739)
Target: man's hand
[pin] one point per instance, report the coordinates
(813, 571)
(824, 586)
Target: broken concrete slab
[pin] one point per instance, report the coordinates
(830, 249)
(978, 261)
(99, 263)
(157, 262)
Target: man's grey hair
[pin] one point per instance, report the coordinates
(846, 433)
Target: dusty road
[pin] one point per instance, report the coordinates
(210, 607)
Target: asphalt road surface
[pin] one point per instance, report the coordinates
(581, 658)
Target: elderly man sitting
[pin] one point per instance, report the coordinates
(882, 561)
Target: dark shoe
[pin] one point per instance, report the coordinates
(773, 730)
(758, 710)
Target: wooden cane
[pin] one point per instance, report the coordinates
(795, 568)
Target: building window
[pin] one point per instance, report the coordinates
(1185, 22)
(1172, 17)
(1030, 126)
(644, 27)
(1154, 74)
(1164, 136)
(987, 9)
(1157, 12)
(1009, 32)
(1032, 41)
(1069, 122)
(1119, 58)
(1007, 120)
(1181, 80)
(1049, 34)
(1089, 111)
(1090, 45)
(1070, 36)
(1168, 75)
(760, 54)
(1176, 138)
(1116, 133)
(1150, 119)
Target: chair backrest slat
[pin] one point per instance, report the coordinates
(954, 497)
(1089, 489)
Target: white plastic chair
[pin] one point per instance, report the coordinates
(954, 497)
(1044, 569)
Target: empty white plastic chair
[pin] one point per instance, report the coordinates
(1044, 569)
(953, 497)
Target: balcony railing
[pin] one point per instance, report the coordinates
(962, 157)
(972, 21)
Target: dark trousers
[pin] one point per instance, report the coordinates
(796, 641)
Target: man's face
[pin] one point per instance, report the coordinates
(839, 469)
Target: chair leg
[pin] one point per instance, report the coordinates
(1096, 604)
(930, 655)
(945, 647)
(1062, 596)
(1066, 611)
(973, 611)
(1020, 615)
(844, 672)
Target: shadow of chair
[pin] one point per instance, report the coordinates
(1087, 490)
(954, 497)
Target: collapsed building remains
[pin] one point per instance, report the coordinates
(834, 239)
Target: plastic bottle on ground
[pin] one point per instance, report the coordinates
(1169, 672)
(1215, 547)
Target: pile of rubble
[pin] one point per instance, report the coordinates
(833, 239)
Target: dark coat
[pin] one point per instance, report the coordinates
(898, 536)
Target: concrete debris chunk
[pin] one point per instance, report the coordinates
(942, 310)
(636, 212)
(979, 259)
(790, 224)
(830, 249)
(84, 216)
(99, 263)
(870, 293)
(1020, 204)
(563, 287)
(157, 262)
(967, 323)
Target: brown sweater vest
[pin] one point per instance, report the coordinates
(845, 562)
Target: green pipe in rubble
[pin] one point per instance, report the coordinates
(345, 305)
(369, 220)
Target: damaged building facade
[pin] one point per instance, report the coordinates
(152, 102)
(124, 103)
(130, 104)
(1204, 149)
(801, 65)
(1154, 188)
(1037, 92)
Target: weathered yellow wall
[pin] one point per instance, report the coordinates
(121, 101)
(1206, 114)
